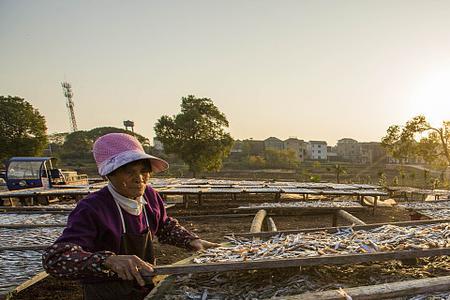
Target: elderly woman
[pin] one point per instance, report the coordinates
(108, 240)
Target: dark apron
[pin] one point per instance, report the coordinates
(140, 245)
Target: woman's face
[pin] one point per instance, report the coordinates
(131, 180)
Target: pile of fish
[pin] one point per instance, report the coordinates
(18, 266)
(305, 204)
(35, 219)
(425, 205)
(29, 236)
(344, 241)
(434, 296)
(443, 213)
(266, 284)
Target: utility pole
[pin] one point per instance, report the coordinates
(67, 89)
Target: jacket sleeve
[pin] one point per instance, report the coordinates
(70, 257)
(170, 231)
(70, 261)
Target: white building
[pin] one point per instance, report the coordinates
(317, 150)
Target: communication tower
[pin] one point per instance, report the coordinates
(67, 89)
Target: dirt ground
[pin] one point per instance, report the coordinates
(212, 229)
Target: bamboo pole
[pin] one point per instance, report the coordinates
(258, 221)
(271, 224)
(349, 217)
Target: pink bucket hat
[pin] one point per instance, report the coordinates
(114, 150)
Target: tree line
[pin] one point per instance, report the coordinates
(197, 135)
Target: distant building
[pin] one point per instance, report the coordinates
(273, 143)
(237, 147)
(254, 147)
(158, 145)
(373, 153)
(332, 154)
(349, 150)
(300, 147)
(317, 150)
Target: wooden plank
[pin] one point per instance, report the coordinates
(299, 261)
(35, 208)
(349, 217)
(32, 212)
(163, 282)
(20, 226)
(24, 248)
(381, 291)
(258, 221)
(35, 279)
(212, 216)
(300, 210)
(335, 229)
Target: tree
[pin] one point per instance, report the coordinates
(419, 138)
(79, 144)
(339, 170)
(256, 162)
(22, 128)
(197, 134)
(281, 158)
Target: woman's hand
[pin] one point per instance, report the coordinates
(199, 244)
(128, 267)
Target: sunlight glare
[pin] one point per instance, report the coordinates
(432, 97)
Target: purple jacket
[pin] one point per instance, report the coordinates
(94, 230)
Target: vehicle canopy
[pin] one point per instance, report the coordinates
(28, 172)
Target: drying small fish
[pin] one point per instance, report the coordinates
(344, 241)
(442, 213)
(425, 205)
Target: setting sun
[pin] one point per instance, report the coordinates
(432, 97)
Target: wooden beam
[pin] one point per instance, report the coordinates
(35, 279)
(299, 261)
(335, 229)
(212, 216)
(381, 291)
(34, 212)
(300, 210)
(19, 226)
(258, 221)
(349, 217)
(24, 248)
(34, 208)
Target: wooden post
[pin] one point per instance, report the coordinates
(375, 202)
(185, 201)
(199, 198)
(334, 220)
(258, 221)
(349, 217)
(277, 196)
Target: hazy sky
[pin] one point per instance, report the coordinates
(317, 70)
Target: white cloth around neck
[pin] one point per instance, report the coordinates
(131, 206)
